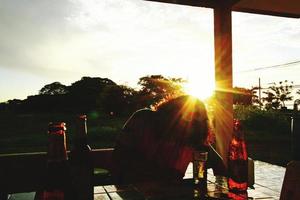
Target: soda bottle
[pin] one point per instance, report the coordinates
(82, 169)
(237, 160)
(57, 169)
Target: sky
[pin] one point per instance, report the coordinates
(43, 41)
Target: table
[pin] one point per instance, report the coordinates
(164, 191)
(268, 182)
(216, 189)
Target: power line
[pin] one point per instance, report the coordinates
(274, 66)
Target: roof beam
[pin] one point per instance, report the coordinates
(279, 8)
(202, 3)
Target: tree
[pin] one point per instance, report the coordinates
(84, 93)
(255, 99)
(242, 96)
(277, 95)
(157, 87)
(90, 85)
(54, 89)
(116, 99)
(298, 92)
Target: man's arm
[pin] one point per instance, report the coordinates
(129, 164)
(215, 161)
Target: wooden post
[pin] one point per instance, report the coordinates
(223, 76)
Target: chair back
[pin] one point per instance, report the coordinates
(291, 182)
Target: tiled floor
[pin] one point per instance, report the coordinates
(268, 179)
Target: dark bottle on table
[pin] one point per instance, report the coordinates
(57, 176)
(237, 161)
(82, 169)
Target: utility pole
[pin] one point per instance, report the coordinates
(259, 92)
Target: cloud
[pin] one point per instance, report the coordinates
(25, 26)
(63, 40)
(260, 40)
(47, 38)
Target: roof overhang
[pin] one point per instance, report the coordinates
(282, 8)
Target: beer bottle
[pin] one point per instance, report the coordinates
(82, 169)
(57, 169)
(237, 161)
(200, 172)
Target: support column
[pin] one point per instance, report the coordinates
(223, 76)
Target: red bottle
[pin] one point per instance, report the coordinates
(238, 160)
(57, 179)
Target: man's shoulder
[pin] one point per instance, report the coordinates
(140, 118)
(143, 113)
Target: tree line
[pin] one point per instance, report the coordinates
(103, 94)
(95, 93)
(273, 98)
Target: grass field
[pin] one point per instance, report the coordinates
(28, 133)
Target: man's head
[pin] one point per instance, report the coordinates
(186, 116)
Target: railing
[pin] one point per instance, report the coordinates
(24, 172)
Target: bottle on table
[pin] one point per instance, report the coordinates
(82, 169)
(57, 179)
(237, 160)
(200, 172)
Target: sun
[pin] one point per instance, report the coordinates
(200, 89)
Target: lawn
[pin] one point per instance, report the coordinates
(28, 133)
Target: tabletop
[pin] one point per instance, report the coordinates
(268, 182)
(164, 191)
(216, 188)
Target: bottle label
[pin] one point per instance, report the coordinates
(50, 195)
(238, 170)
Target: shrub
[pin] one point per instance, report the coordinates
(269, 121)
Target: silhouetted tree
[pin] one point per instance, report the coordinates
(242, 96)
(54, 89)
(157, 87)
(14, 104)
(298, 92)
(277, 95)
(255, 99)
(3, 106)
(83, 94)
(116, 99)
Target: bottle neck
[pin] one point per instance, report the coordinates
(238, 135)
(81, 131)
(57, 148)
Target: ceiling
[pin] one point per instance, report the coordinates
(283, 8)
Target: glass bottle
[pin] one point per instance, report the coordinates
(82, 169)
(200, 172)
(237, 160)
(57, 169)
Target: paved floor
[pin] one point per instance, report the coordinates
(268, 179)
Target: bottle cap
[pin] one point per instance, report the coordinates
(81, 125)
(82, 117)
(236, 124)
(56, 127)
